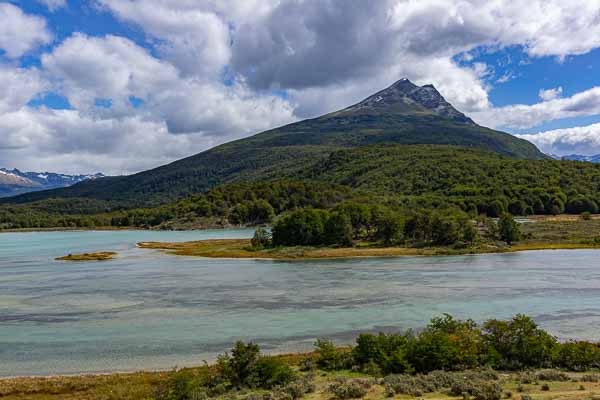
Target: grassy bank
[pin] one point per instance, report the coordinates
(541, 233)
(143, 386)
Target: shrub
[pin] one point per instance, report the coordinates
(182, 385)
(262, 238)
(577, 356)
(402, 384)
(269, 372)
(329, 358)
(545, 387)
(518, 343)
(298, 388)
(586, 216)
(245, 367)
(481, 390)
(528, 378)
(381, 353)
(307, 363)
(238, 368)
(590, 378)
(552, 375)
(508, 229)
(344, 389)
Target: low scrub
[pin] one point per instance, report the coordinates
(343, 388)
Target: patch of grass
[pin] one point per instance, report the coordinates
(98, 256)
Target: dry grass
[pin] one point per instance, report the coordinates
(141, 386)
(99, 256)
(135, 386)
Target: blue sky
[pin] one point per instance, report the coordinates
(119, 86)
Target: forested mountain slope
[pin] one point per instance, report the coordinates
(401, 114)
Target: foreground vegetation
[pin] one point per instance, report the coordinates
(448, 359)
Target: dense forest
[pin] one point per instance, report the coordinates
(400, 177)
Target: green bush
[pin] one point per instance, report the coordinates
(508, 229)
(245, 367)
(577, 356)
(329, 358)
(387, 352)
(269, 372)
(518, 343)
(238, 367)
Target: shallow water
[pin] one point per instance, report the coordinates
(149, 310)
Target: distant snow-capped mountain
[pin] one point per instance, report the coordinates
(577, 157)
(13, 182)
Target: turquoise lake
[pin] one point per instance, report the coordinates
(149, 310)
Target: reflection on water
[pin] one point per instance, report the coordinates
(148, 310)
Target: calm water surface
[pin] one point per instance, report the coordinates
(149, 310)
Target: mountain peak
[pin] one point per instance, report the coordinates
(403, 96)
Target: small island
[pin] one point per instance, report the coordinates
(469, 237)
(98, 256)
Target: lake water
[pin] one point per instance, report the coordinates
(149, 310)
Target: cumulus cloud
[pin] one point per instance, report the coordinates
(178, 115)
(40, 138)
(550, 94)
(88, 68)
(527, 116)
(584, 140)
(20, 32)
(191, 34)
(18, 86)
(204, 72)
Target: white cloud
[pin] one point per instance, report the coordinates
(550, 94)
(54, 5)
(527, 116)
(322, 55)
(584, 140)
(191, 34)
(88, 68)
(20, 32)
(18, 86)
(179, 115)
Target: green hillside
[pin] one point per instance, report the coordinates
(401, 114)
(406, 177)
